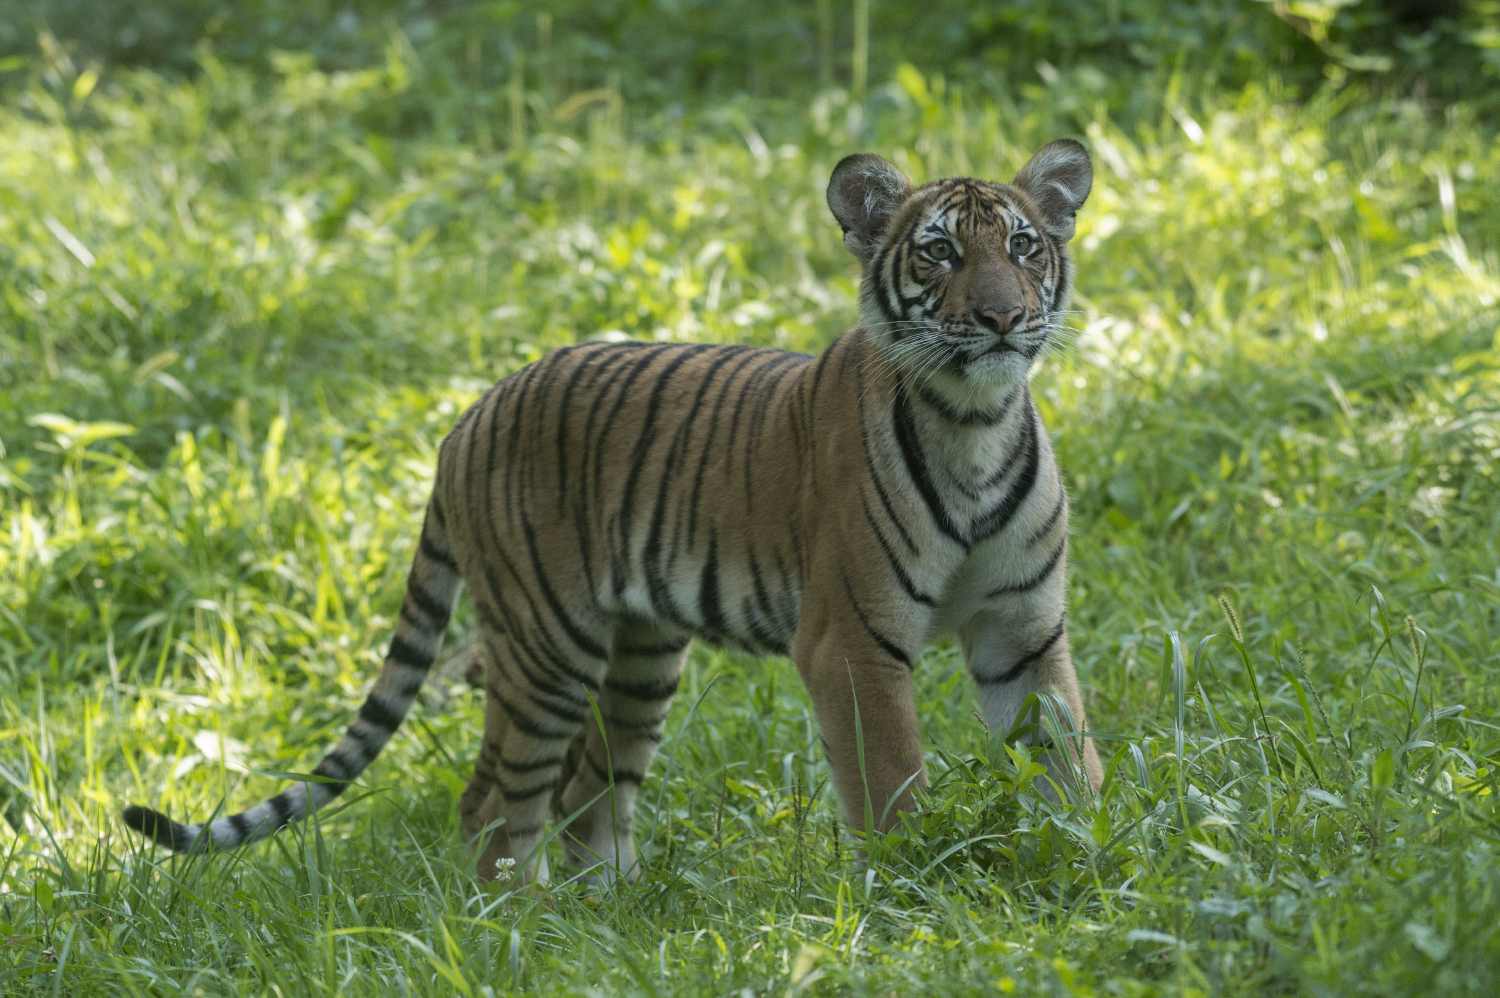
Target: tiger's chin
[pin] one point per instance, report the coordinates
(976, 384)
(985, 379)
(1002, 368)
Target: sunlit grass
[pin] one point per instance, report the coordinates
(236, 316)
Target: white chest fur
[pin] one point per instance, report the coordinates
(994, 498)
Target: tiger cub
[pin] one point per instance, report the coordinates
(611, 501)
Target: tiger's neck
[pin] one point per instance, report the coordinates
(970, 451)
(968, 432)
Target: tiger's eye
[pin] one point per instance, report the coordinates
(939, 249)
(1020, 244)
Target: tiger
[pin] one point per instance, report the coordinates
(612, 501)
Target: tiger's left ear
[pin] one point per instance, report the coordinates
(1058, 178)
(863, 195)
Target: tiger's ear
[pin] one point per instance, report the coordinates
(863, 195)
(1058, 179)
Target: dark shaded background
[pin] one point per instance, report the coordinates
(659, 49)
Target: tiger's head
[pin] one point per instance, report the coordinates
(964, 280)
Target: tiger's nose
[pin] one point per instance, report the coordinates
(1001, 322)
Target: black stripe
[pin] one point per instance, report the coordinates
(546, 682)
(157, 827)
(645, 438)
(484, 765)
(763, 603)
(916, 468)
(822, 364)
(487, 559)
(621, 360)
(522, 721)
(283, 809)
(885, 499)
(1057, 511)
(707, 452)
(886, 644)
(333, 765)
(760, 388)
(430, 550)
(470, 413)
(558, 366)
(1015, 671)
(241, 826)
(583, 536)
(758, 632)
(570, 716)
(564, 449)
(530, 767)
(619, 725)
(1037, 577)
(651, 651)
(426, 602)
(368, 740)
(901, 574)
(622, 397)
(533, 684)
(709, 606)
(414, 619)
(584, 642)
(998, 517)
(521, 415)
(408, 654)
(526, 794)
(620, 775)
(340, 778)
(554, 662)
(657, 587)
(658, 689)
(377, 713)
(599, 770)
(1023, 443)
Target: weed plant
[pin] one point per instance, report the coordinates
(238, 312)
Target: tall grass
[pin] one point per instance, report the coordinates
(237, 313)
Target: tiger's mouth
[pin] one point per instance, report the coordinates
(1010, 342)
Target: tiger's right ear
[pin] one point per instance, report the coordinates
(863, 195)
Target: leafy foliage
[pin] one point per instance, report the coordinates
(674, 52)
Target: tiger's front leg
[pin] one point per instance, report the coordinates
(850, 670)
(1018, 646)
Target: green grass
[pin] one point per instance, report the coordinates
(237, 313)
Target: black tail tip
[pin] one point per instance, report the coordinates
(157, 827)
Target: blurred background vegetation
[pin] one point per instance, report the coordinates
(665, 51)
(256, 256)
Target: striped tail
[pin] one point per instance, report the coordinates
(431, 592)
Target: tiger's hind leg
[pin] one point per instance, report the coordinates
(643, 675)
(528, 722)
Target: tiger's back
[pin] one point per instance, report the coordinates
(624, 480)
